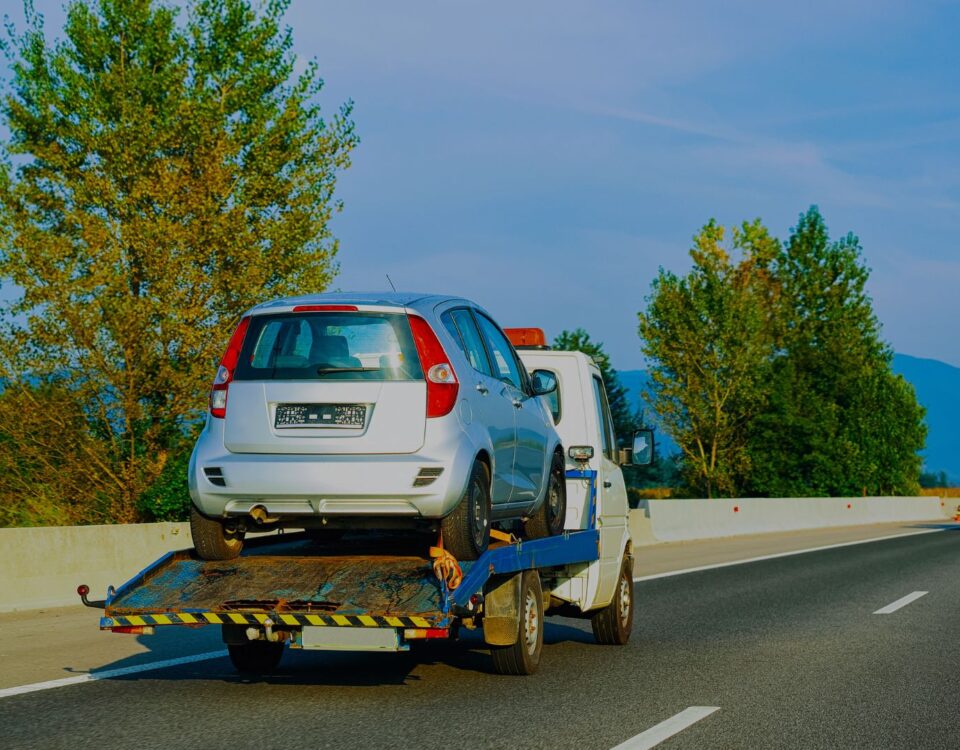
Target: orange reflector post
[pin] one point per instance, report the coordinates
(415, 633)
(134, 629)
(526, 337)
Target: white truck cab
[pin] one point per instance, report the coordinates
(582, 417)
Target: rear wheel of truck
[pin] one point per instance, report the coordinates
(612, 624)
(211, 539)
(523, 657)
(256, 657)
(466, 530)
(549, 518)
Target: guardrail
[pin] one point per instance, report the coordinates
(41, 567)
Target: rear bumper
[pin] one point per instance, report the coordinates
(297, 486)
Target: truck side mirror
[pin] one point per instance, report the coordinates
(642, 453)
(544, 382)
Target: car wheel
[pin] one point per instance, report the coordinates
(211, 540)
(613, 624)
(523, 657)
(466, 530)
(549, 518)
(255, 657)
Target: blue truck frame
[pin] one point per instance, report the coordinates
(571, 547)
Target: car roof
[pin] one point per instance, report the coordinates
(395, 299)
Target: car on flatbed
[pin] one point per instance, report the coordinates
(373, 590)
(343, 412)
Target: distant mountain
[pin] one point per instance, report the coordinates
(938, 389)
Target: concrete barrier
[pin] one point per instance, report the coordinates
(685, 520)
(42, 567)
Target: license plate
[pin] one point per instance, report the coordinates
(320, 415)
(351, 639)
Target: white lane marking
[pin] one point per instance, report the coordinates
(729, 563)
(108, 673)
(666, 729)
(901, 602)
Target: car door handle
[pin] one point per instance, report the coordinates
(518, 403)
(482, 389)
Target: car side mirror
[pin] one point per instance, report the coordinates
(642, 451)
(544, 382)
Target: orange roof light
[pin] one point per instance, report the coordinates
(526, 338)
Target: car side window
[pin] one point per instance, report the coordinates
(603, 417)
(505, 365)
(461, 326)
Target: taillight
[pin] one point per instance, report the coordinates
(228, 365)
(442, 385)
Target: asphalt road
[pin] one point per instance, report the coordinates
(789, 650)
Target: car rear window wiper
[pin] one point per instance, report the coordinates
(328, 370)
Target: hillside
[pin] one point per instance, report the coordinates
(938, 389)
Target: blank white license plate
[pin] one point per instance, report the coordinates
(351, 639)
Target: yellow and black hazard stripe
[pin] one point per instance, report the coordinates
(249, 618)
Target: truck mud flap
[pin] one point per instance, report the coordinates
(501, 610)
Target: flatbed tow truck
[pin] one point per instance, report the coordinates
(378, 592)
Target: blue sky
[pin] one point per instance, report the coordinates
(544, 158)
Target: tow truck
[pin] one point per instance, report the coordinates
(373, 591)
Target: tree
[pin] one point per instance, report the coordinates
(709, 336)
(160, 178)
(624, 422)
(838, 422)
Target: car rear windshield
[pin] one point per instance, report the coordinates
(329, 346)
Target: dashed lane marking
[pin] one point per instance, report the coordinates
(899, 603)
(666, 729)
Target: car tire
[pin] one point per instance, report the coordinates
(613, 624)
(523, 657)
(466, 530)
(211, 540)
(549, 518)
(256, 657)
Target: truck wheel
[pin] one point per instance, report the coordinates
(466, 530)
(549, 518)
(211, 539)
(523, 657)
(612, 624)
(256, 657)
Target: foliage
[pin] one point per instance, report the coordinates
(710, 336)
(934, 479)
(162, 175)
(770, 372)
(624, 422)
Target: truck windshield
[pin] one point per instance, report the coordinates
(329, 346)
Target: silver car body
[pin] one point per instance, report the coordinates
(399, 463)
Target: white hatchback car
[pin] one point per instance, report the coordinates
(348, 411)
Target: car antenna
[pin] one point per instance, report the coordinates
(391, 282)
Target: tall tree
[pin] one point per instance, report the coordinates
(161, 177)
(709, 336)
(838, 422)
(578, 340)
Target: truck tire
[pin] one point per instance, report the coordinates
(466, 530)
(549, 518)
(211, 540)
(255, 657)
(612, 624)
(523, 657)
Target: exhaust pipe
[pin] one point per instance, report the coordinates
(259, 514)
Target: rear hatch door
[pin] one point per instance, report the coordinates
(315, 381)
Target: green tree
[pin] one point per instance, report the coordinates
(709, 337)
(162, 175)
(624, 421)
(838, 421)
